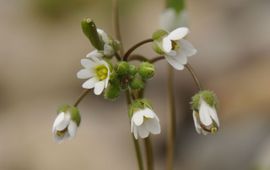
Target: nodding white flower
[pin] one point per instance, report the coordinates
(206, 120)
(176, 49)
(170, 19)
(107, 49)
(144, 122)
(64, 127)
(97, 71)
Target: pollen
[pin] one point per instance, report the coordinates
(61, 133)
(214, 130)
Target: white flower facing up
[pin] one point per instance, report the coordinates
(206, 120)
(176, 49)
(107, 49)
(97, 71)
(64, 127)
(144, 122)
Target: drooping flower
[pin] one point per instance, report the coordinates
(66, 123)
(172, 45)
(204, 113)
(97, 71)
(143, 119)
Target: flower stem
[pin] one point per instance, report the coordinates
(171, 122)
(153, 60)
(77, 102)
(117, 25)
(126, 55)
(136, 142)
(194, 76)
(149, 153)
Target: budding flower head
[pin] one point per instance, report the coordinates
(143, 119)
(205, 116)
(146, 70)
(66, 123)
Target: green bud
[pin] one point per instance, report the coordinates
(90, 30)
(146, 70)
(136, 83)
(132, 70)
(208, 96)
(157, 35)
(122, 68)
(112, 91)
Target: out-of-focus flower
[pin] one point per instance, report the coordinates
(170, 19)
(174, 47)
(97, 71)
(204, 113)
(66, 123)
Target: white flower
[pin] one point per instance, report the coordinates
(144, 122)
(64, 127)
(176, 49)
(97, 71)
(170, 19)
(107, 49)
(206, 120)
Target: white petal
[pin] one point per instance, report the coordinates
(137, 118)
(62, 122)
(104, 36)
(213, 114)
(84, 74)
(153, 126)
(87, 63)
(99, 87)
(143, 133)
(108, 50)
(95, 54)
(204, 114)
(60, 117)
(148, 113)
(72, 129)
(187, 48)
(174, 63)
(181, 57)
(166, 45)
(178, 33)
(196, 123)
(89, 84)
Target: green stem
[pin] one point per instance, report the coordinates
(134, 47)
(149, 153)
(80, 98)
(194, 76)
(171, 122)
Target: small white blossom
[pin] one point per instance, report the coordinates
(176, 49)
(144, 122)
(107, 49)
(170, 19)
(206, 120)
(97, 71)
(64, 127)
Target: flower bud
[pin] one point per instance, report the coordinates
(90, 30)
(122, 68)
(132, 70)
(146, 70)
(112, 91)
(136, 83)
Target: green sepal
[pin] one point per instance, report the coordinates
(75, 115)
(112, 91)
(90, 30)
(159, 34)
(63, 108)
(136, 83)
(208, 96)
(177, 5)
(146, 70)
(156, 45)
(138, 105)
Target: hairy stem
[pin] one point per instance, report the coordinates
(171, 122)
(80, 98)
(116, 24)
(126, 55)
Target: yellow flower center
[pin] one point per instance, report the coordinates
(214, 130)
(175, 45)
(102, 72)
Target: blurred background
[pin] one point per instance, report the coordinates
(41, 44)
